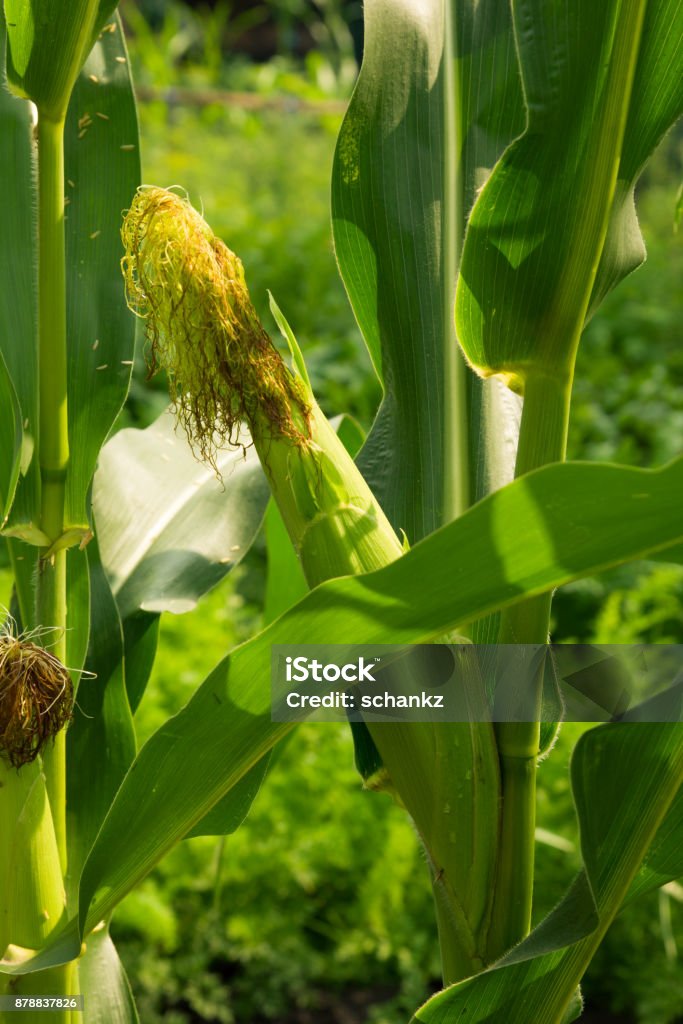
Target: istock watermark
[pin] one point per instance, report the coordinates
(433, 682)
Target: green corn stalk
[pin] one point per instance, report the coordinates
(34, 866)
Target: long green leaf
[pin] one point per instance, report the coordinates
(437, 100)
(553, 207)
(169, 531)
(578, 518)
(101, 739)
(103, 171)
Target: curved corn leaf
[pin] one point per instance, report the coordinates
(168, 529)
(436, 102)
(656, 104)
(553, 208)
(199, 754)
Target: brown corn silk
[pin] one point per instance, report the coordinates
(203, 330)
(36, 697)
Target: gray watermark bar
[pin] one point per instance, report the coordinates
(477, 682)
(29, 1004)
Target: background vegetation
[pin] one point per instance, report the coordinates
(297, 917)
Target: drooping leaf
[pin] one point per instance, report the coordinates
(553, 208)
(437, 100)
(656, 104)
(169, 530)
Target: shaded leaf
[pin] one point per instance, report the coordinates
(436, 102)
(168, 529)
(101, 738)
(540, 226)
(103, 171)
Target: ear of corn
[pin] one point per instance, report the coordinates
(224, 370)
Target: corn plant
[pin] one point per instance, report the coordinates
(482, 208)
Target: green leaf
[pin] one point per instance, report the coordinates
(101, 738)
(42, 28)
(285, 581)
(103, 163)
(625, 778)
(437, 101)
(140, 639)
(656, 104)
(18, 281)
(539, 227)
(107, 995)
(169, 530)
(579, 518)
(12, 435)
